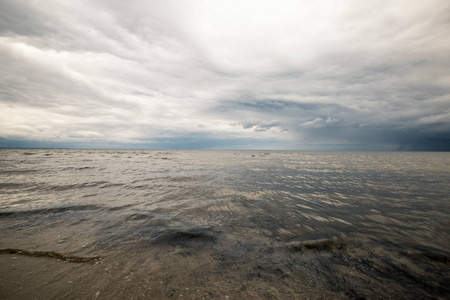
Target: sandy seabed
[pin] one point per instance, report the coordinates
(203, 266)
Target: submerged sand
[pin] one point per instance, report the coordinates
(193, 265)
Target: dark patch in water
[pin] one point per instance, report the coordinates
(317, 245)
(51, 254)
(186, 238)
(427, 255)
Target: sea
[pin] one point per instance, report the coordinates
(207, 224)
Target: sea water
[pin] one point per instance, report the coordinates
(149, 224)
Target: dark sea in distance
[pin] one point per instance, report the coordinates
(152, 224)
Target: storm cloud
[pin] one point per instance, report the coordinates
(362, 75)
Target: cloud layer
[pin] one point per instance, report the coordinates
(225, 74)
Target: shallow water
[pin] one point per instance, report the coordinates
(224, 224)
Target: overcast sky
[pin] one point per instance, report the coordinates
(322, 75)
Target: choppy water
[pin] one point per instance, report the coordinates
(210, 224)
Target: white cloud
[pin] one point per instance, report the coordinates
(147, 70)
(318, 123)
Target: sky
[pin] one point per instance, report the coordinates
(292, 75)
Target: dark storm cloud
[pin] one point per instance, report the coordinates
(293, 75)
(268, 105)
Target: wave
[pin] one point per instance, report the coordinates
(19, 171)
(53, 210)
(58, 188)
